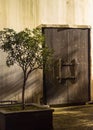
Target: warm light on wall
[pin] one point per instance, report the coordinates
(19, 14)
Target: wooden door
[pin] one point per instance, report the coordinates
(68, 81)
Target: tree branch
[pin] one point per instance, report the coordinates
(31, 70)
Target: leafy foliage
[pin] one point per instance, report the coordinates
(26, 49)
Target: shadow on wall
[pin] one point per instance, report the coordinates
(11, 80)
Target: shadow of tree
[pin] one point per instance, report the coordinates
(74, 118)
(11, 80)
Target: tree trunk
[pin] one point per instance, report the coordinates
(23, 91)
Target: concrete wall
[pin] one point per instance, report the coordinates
(19, 14)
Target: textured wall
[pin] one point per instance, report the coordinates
(19, 14)
(65, 11)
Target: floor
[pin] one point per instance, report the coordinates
(73, 118)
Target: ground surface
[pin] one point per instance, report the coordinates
(73, 118)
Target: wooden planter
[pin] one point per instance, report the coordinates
(27, 120)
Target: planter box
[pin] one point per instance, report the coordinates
(27, 120)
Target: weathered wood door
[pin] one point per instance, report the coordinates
(68, 81)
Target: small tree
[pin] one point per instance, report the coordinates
(27, 50)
